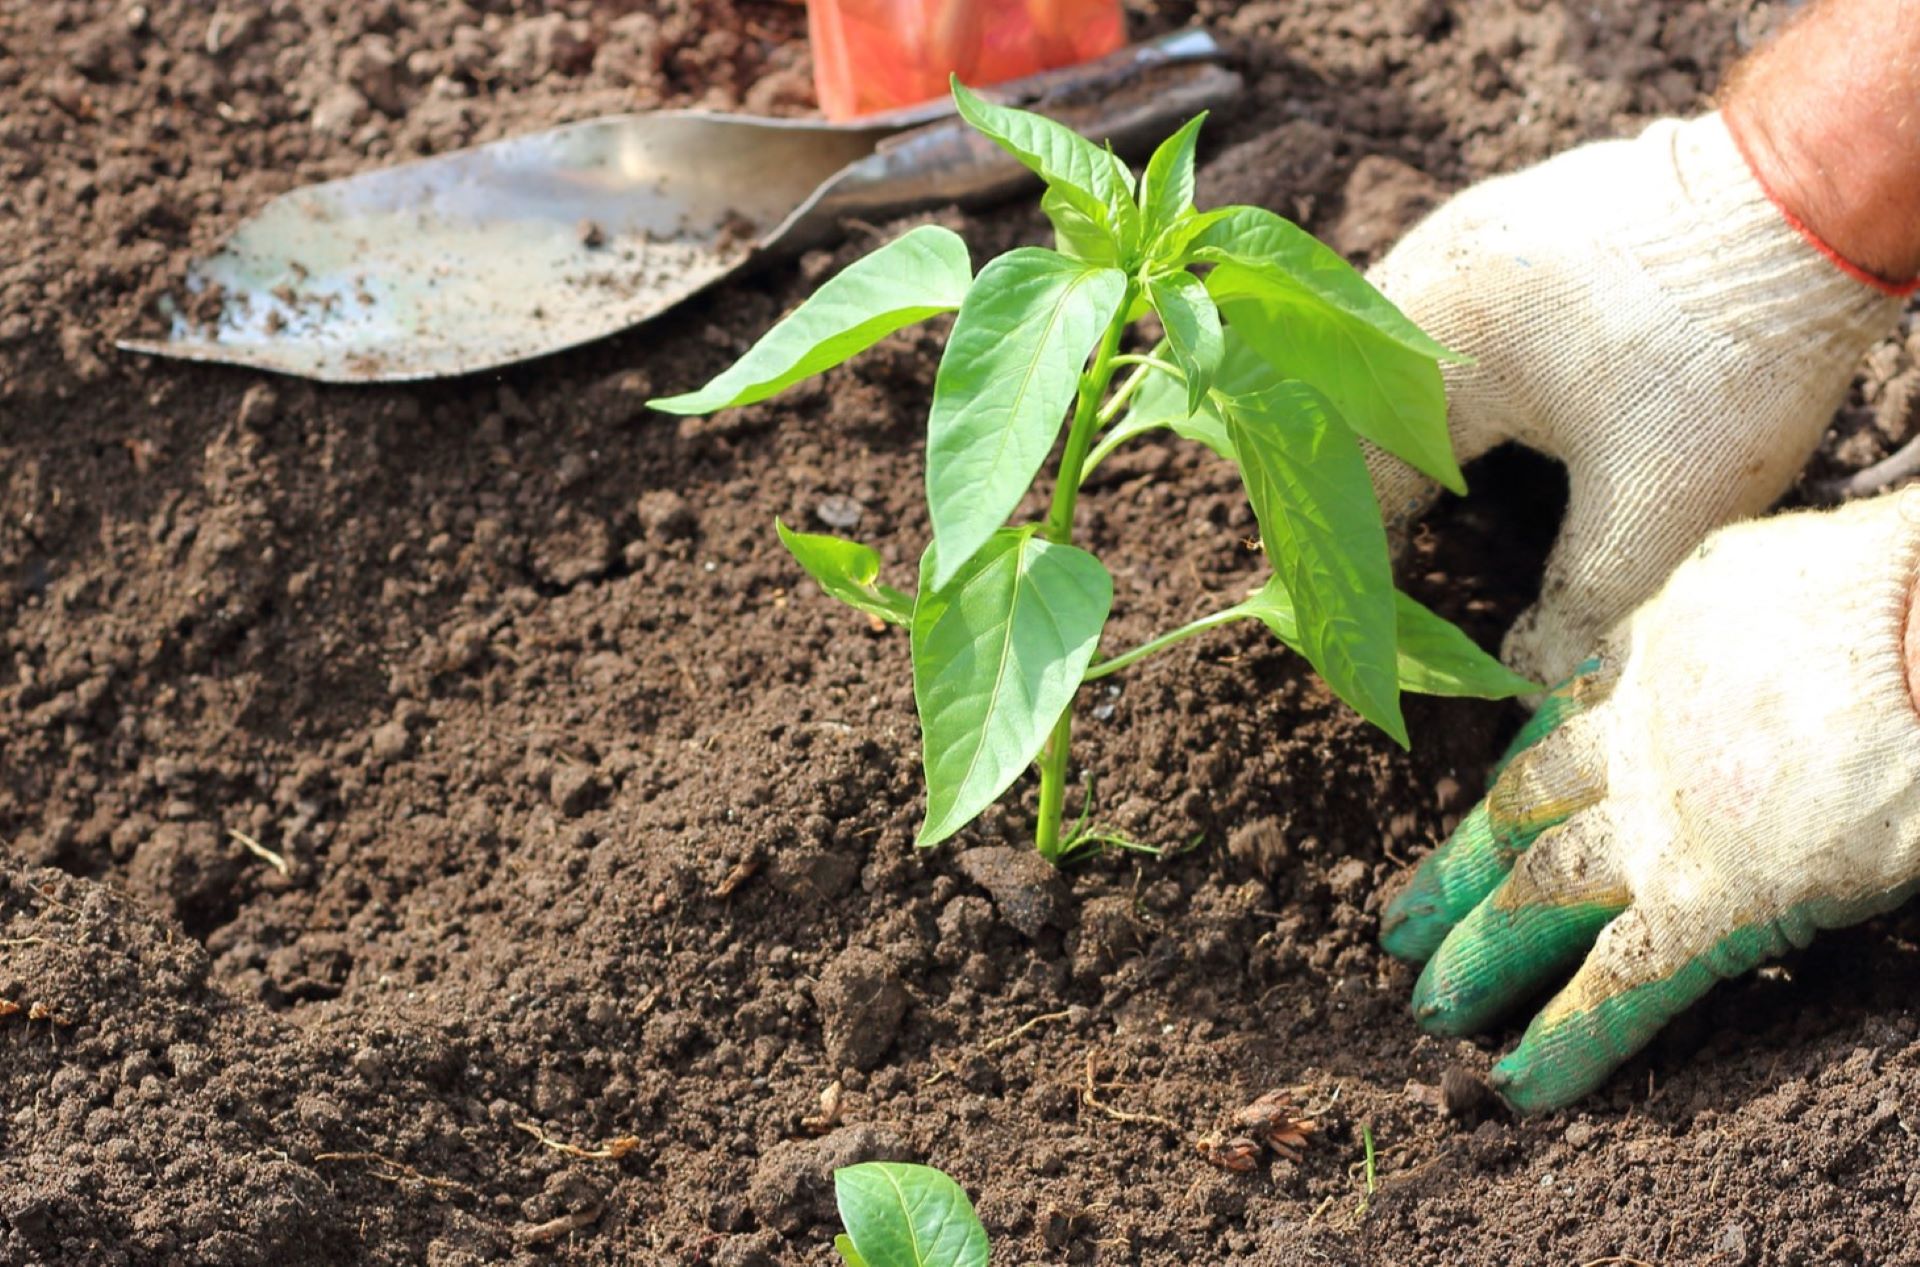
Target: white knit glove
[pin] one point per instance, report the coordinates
(1640, 311)
(1738, 768)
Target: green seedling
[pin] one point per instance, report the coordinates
(1275, 354)
(1366, 1171)
(898, 1215)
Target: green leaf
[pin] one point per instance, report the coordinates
(1316, 319)
(848, 571)
(1166, 189)
(1432, 656)
(997, 655)
(1193, 330)
(1084, 173)
(1389, 394)
(1259, 239)
(1161, 401)
(1077, 234)
(1011, 368)
(923, 272)
(899, 1215)
(1172, 247)
(1321, 527)
(848, 1254)
(1437, 658)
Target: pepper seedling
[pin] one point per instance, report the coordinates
(900, 1215)
(1275, 354)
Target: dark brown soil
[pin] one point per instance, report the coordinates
(597, 820)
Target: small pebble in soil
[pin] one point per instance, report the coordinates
(1465, 1093)
(792, 1186)
(665, 514)
(1026, 890)
(861, 1003)
(574, 789)
(390, 742)
(840, 512)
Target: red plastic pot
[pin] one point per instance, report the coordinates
(871, 55)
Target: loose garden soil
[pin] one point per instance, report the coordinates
(600, 937)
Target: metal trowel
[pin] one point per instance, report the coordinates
(513, 249)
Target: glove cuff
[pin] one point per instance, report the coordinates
(1866, 276)
(1734, 260)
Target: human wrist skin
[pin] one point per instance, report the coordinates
(1825, 116)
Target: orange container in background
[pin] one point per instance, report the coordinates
(873, 55)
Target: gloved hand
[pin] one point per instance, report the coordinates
(1642, 312)
(1739, 767)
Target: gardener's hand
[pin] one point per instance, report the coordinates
(1641, 311)
(1738, 768)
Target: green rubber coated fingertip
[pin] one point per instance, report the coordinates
(1450, 883)
(1499, 957)
(1563, 1057)
(1460, 873)
(1560, 704)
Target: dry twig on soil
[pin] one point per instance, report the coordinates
(742, 871)
(1022, 1030)
(258, 850)
(387, 1170)
(1089, 1096)
(565, 1225)
(612, 1150)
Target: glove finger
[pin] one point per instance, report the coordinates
(1559, 775)
(1404, 495)
(1638, 977)
(1589, 685)
(1537, 924)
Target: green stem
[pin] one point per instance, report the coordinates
(1058, 529)
(1151, 362)
(1093, 385)
(1111, 410)
(1053, 788)
(1116, 663)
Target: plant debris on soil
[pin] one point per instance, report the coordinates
(442, 827)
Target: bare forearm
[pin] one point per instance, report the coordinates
(1829, 116)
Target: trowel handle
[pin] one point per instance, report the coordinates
(1133, 99)
(1101, 75)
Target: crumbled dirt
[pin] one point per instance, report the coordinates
(596, 821)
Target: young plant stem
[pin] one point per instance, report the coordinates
(1058, 529)
(1150, 362)
(1114, 664)
(1118, 401)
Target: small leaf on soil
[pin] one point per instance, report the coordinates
(900, 1215)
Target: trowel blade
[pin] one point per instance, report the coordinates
(493, 254)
